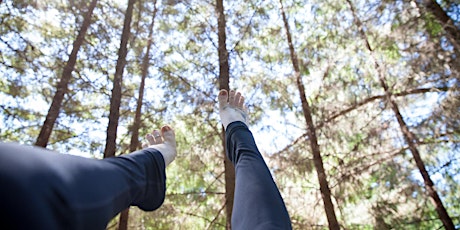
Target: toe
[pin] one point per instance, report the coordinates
(168, 134)
(231, 98)
(237, 99)
(223, 98)
(241, 102)
(157, 137)
(150, 139)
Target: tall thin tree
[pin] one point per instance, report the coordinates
(62, 86)
(224, 76)
(134, 143)
(409, 136)
(318, 161)
(115, 100)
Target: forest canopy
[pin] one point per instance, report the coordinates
(355, 105)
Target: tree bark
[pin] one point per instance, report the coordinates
(115, 100)
(62, 86)
(134, 143)
(224, 76)
(318, 162)
(409, 137)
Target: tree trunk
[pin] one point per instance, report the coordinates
(453, 33)
(133, 145)
(409, 137)
(411, 140)
(115, 100)
(224, 76)
(318, 162)
(61, 88)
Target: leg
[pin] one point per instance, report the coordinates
(258, 203)
(45, 190)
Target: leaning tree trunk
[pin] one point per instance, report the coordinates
(318, 162)
(409, 137)
(453, 33)
(224, 76)
(62, 86)
(115, 100)
(134, 144)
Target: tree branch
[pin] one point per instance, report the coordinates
(361, 103)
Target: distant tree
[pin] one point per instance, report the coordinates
(61, 88)
(224, 76)
(134, 143)
(115, 100)
(306, 109)
(409, 136)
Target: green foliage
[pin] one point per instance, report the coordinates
(392, 51)
(374, 182)
(432, 26)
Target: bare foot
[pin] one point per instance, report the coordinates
(165, 142)
(231, 107)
